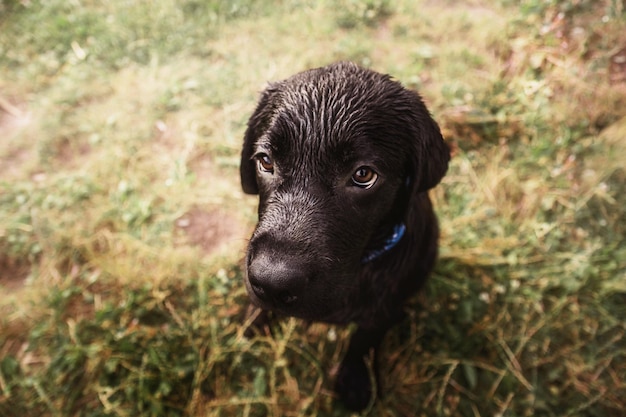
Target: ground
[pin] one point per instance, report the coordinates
(123, 226)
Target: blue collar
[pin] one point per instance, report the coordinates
(391, 241)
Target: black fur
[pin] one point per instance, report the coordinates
(309, 135)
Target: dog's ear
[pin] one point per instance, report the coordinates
(431, 154)
(257, 126)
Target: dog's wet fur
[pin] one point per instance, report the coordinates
(340, 156)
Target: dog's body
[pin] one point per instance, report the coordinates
(342, 158)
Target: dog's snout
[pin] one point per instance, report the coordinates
(277, 283)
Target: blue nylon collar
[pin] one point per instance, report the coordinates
(391, 241)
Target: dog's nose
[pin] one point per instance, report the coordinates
(275, 282)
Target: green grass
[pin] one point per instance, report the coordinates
(122, 223)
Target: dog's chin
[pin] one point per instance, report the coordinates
(255, 300)
(335, 313)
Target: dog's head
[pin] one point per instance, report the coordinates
(336, 155)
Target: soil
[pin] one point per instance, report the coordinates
(209, 229)
(13, 274)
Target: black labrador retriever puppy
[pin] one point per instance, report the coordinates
(342, 158)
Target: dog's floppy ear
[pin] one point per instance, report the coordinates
(257, 125)
(432, 160)
(432, 154)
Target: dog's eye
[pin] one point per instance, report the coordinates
(364, 177)
(265, 163)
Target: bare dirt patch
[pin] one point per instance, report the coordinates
(209, 229)
(13, 273)
(71, 154)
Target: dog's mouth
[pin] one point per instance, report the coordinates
(284, 303)
(265, 297)
(291, 295)
(306, 309)
(311, 272)
(296, 290)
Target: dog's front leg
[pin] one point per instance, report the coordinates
(354, 384)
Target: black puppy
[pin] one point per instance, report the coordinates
(342, 158)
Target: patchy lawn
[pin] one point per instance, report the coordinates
(123, 226)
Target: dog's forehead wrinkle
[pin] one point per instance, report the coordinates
(327, 104)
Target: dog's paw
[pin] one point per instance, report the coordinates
(354, 384)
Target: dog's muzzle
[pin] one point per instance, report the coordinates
(277, 284)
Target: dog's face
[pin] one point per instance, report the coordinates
(336, 155)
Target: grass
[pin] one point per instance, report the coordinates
(122, 224)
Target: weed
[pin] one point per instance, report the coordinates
(352, 13)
